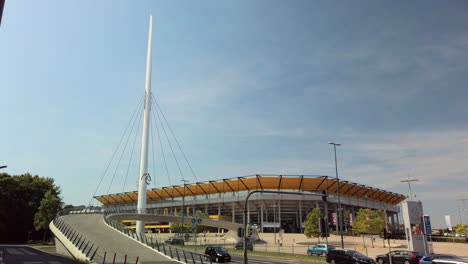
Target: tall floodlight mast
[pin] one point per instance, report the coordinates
(144, 176)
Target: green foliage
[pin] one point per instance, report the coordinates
(187, 227)
(460, 229)
(49, 207)
(312, 223)
(369, 221)
(20, 198)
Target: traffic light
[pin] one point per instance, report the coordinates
(323, 228)
(240, 232)
(386, 234)
(250, 231)
(324, 195)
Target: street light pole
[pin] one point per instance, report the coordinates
(340, 224)
(409, 181)
(183, 209)
(274, 221)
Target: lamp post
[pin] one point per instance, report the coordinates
(340, 224)
(274, 221)
(409, 181)
(183, 209)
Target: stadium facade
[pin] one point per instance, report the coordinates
(224, 199)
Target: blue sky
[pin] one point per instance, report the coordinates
(247, 86)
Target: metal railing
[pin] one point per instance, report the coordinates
(81, 242)
(176, 253)
(89, 248)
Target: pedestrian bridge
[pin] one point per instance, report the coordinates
(91, 235)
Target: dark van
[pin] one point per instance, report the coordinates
(347, 256)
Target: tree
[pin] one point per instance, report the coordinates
(20, 198)
(460, 229)
(370, 222)
(312, 224)
(47, 211)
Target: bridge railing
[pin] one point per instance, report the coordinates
(89, 248)
(81, 242)
(179, 254)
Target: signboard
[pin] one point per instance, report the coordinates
(196, 221)
(427, 225)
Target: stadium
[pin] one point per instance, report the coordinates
(224, 200)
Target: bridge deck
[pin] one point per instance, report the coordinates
(110, 240)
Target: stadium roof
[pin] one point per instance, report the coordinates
(258, 182)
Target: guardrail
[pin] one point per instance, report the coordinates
(179, 254)
(81, 242)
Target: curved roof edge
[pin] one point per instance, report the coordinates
(258, 182)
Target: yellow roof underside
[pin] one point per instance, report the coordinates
(258, 182)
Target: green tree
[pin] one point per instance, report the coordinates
(20, 198)
(460, 229)
(370, 222)
(47, 211)
(312, 224)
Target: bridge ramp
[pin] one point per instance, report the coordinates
(110, 240)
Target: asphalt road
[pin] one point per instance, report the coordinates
(267, 260)
(19, 254)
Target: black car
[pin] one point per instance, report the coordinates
(347, 256)
(240, 246)
(399, 257)
(217, 254)
(174, 241)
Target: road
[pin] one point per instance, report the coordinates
(268, 260)
(19, 254)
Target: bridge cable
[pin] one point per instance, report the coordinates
(115, 151)
(170, 146)
(131, 154)
(162, 148)
(172, 132)
(123, 152)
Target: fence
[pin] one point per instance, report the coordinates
(179, 254)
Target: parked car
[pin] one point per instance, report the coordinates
(347, 256)
(240, 245)
(450, 261)
(399, 257)
(319, 249)
(217, 254)
(441, 258)
(174, 241)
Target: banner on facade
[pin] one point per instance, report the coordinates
(447, 221)
(350, 219)
(334, 218)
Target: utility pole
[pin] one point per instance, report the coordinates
(409, 181)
